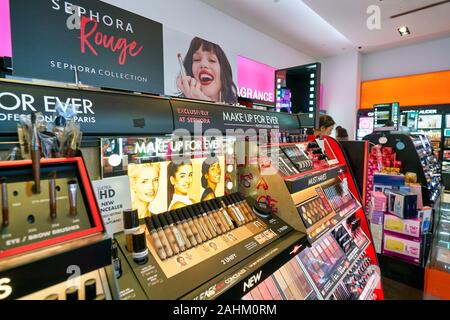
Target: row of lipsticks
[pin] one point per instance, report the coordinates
(181, 229)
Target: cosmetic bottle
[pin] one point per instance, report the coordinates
(169, 234)
(156, 240)
(203, 221)
(177, 234)
(140, 250)
(218, 218)
(72, 294)
(195, 230)
(162, 236)
(180, 229)
(130, 226)
(207, 219)
(187, 229)
(224, 214)
(52, 297)
(5, 206)
(90, 289)
(242, 209)
(198, 223)
(211, 218)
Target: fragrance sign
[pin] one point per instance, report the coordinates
(104, 45)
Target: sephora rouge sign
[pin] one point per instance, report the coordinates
(105, 45)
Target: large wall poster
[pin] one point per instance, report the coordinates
(108, 46)
(198, 69)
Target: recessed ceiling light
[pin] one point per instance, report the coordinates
(404, 31)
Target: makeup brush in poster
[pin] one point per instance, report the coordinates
(180, 60)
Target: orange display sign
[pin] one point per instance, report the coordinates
(422, 89)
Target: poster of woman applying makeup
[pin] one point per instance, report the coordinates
(199, 69)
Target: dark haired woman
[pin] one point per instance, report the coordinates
(208, 74)
(341, 134)
(211, 174)
(179, 184)
(326, 126)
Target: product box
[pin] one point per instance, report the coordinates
(405, 249)
(426, 217)
(402, 204)
(376, 228)
(407, 227)
(383, 182)
(417, 189)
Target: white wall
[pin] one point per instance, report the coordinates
(419, 58)
(341, 89)
(197, 18)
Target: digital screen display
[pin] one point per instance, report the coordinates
(410, 119)
(298, 91)
(447, 121)
(384, 113)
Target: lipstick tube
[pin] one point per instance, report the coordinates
(208, 220)
(196, 233)
(197, 223)
(36, 155)
(187, 229)
(238, 209)
(162, 236)
(219, 219)
(203, 221)
(156, 240)
(73, 192)
(169, 234)
(5, 207)
(180, 229)
(130, 226)
(224, 214)
(52, 195)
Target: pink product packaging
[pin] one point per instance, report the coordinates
(377, 218)
(402, 248)
(417, 189)
(407, 227)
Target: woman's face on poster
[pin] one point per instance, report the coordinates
(214, 173)
(182, 181)
(147, 184)
(206, 70)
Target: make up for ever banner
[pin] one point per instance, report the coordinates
(105, 45)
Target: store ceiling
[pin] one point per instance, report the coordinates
(322, 28)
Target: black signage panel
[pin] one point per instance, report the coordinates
(107, 46)
(206, 116)
(99, 113)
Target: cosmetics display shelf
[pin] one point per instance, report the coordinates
(223, 266)
(417, 156)
(371, 285)
(238, 280)
(46, 234)
(49, 266)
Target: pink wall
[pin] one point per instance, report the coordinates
(256, 80)
(5, 30)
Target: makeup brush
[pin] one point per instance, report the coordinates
(36, 155)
